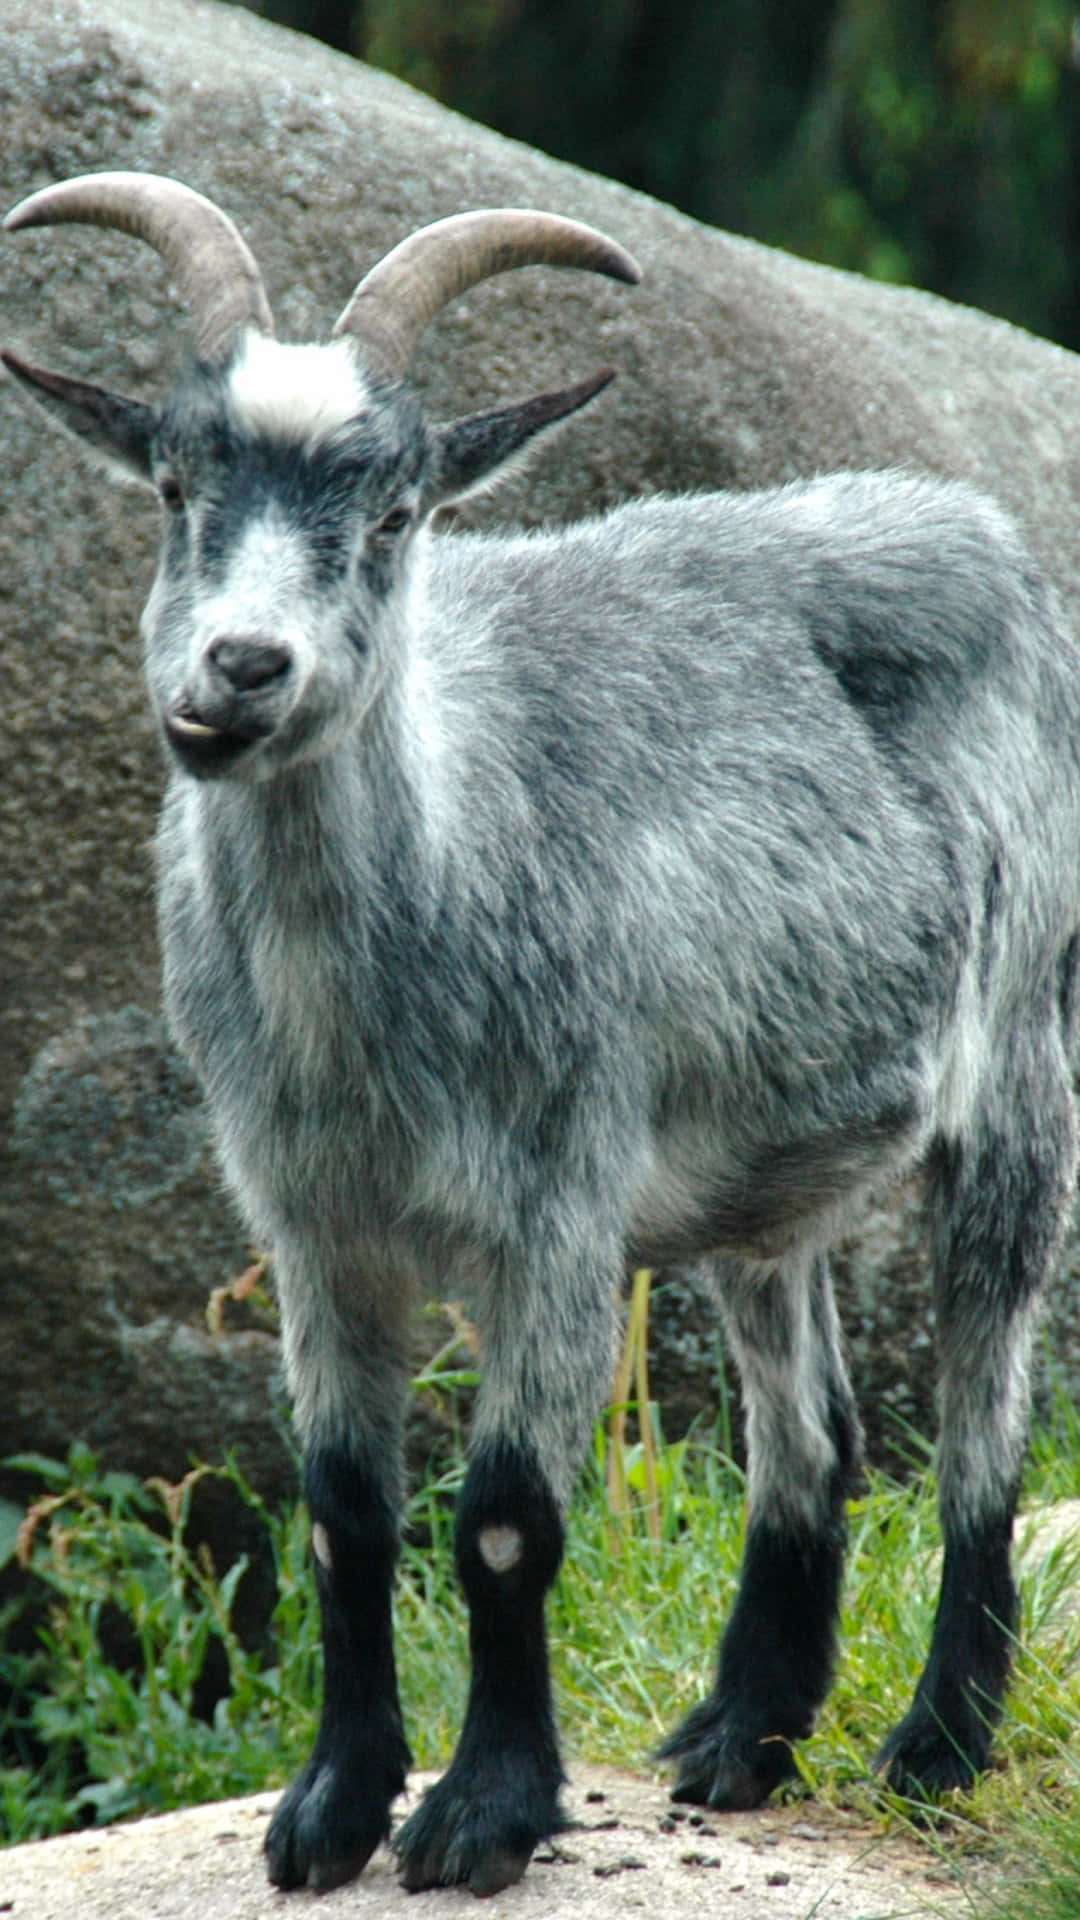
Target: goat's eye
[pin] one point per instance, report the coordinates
(171, 492)
(395, 521)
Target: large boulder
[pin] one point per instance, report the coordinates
(738, 366)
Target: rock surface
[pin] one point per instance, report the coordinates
(625, 1855)
(628, 1851)
(738, 366)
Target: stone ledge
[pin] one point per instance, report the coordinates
(630, 1852)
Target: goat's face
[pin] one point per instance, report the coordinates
(291, 488)
(292, 482)
(293, 479)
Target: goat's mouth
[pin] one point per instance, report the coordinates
(184, 722)
(203, 747)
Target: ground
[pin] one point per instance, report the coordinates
(630, 1852)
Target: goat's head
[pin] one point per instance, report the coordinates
(293, 478)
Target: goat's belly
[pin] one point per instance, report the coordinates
(770, 1199)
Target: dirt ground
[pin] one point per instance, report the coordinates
(630, 1853)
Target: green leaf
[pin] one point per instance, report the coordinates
(56, 1472)
(11, 1519)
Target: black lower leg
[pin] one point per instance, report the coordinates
(777, 1651)
(480, 1823)
(998, 1198)
(776, 1659)
(944, 1740)
(331, 1819)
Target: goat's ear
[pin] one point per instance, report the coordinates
(475, 452)
(118, 429)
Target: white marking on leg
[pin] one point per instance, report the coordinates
(500, 1547)
(320, 1541)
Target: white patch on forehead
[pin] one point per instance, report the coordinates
(296, 392)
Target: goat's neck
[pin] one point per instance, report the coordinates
(345, 827)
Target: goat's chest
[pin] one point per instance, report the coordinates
(299, 1005)
(267, 1012)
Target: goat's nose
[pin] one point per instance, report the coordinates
(248, 663)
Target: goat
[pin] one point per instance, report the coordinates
(648, 890)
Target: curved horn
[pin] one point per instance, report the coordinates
(395, 302)
(211, 263)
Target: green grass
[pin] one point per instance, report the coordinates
(108, 1713)
(103, 1711)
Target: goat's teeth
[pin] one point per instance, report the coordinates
(193, 727)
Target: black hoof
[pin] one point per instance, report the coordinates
(477, 1827)
(923, 1758)
(724, 1764)
(327, 1825)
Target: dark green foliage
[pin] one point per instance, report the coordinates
(927, 141)
(127, 1687)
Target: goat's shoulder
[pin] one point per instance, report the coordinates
(918, 595)
(879, 531)
(917, 574)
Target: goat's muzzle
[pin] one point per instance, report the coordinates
(247, 664)
(233, 701)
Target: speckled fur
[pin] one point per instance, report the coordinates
(653, 889)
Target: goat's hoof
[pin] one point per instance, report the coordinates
(725, 1766)
(477, 1827)
(923, 1759)
(324, 1830)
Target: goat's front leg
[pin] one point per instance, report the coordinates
(776, 1654)
(548, 1361)
(346, 1370)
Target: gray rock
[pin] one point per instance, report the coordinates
(208, 1860)
(738, 366)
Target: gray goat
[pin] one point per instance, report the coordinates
(647, 891)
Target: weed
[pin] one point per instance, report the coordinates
(109, 1710)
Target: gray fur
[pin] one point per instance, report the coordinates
(651, 889)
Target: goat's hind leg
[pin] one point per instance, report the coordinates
(999, 1199)
(548, 1357)
(347, 1372)
(776, 1653)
